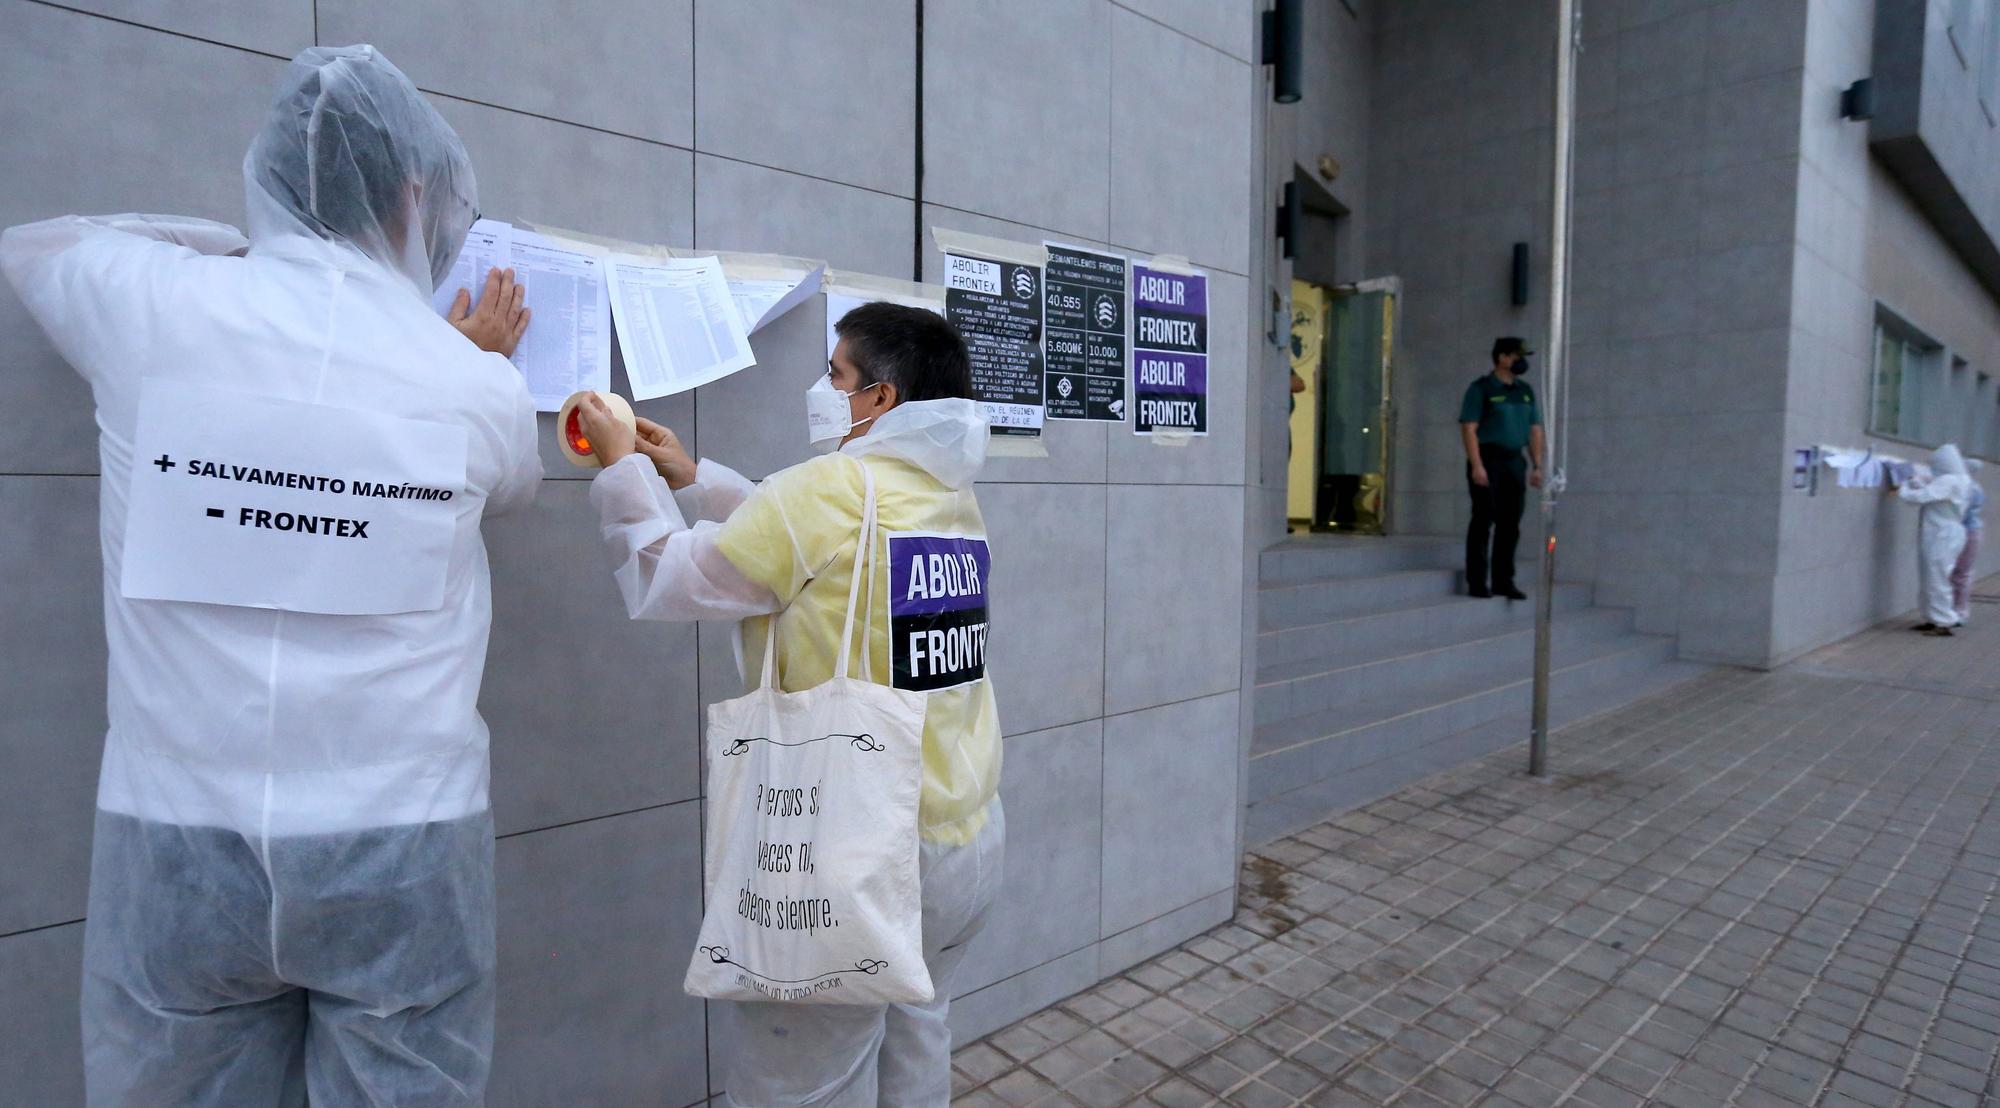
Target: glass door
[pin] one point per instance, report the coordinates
(1351, 493)
(1310, 306)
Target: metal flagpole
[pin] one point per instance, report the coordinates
(1555, 359)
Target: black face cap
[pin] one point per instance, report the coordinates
(1511, 344)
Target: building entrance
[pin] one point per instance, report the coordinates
(1343, 350)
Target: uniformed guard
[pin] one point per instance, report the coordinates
(1498, 421)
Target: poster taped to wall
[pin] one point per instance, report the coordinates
(488, 245)
(678, 325)
(1083, 334)
(568, 343)
(847, 291)
(1169, 350)
(766, 286)
(993, 295)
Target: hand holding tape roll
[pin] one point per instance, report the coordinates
(571, 434)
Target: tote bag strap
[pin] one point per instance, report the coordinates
(864, 563)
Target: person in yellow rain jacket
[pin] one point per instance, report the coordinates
(895, 398)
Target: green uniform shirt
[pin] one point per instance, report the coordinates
(1504, 413)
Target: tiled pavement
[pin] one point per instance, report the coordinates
(1758, 889)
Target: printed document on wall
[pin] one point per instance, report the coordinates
(848, 291)
(568, 343)
(489, 245)
(678, 325)
(838, 304)
(761, 299)
(997, 306)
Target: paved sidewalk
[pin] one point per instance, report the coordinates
(1758, 889)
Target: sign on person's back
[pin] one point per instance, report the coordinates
(260, 502)
(937, 609)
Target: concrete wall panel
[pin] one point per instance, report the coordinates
(597, 921)
(53, 688)
(1167, 807)
(1017, 111)
(627, 68)
(845, 102)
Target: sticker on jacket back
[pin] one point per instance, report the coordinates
(937, 609)
(260, 502)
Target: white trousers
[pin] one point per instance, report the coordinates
(1937, 551)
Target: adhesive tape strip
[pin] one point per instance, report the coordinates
(569, 430)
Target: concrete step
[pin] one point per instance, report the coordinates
(1282, 812)
(1387, 629)
(1342, 749)
(1309, 557)
(1309, 748)
(1304, 694)
(1319, 599)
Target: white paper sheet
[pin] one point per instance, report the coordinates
(267, 503)
(838, 304)
(489, 245)
(568, 344)
(759, 300)
(678, 325)
(848, 291)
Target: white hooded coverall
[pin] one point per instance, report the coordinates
(1941, 530)
(785, 551)
(291, 885)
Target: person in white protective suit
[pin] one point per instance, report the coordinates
(1945, 494)
(291, 892)
(781, 558)
(1968, 556)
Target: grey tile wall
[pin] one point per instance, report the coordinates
(628, 68)
(597, 920)
(99, 85)
(665, 123)
(43, 1062)
(1017, 123)
(53, 689)
(1169, 815)
(845, 104)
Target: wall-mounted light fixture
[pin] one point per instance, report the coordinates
(1519, 282)
(1857, 101)
(1285, 48)
(1288, 216)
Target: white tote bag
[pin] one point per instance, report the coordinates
(813, 888)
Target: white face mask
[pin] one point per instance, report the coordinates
(828, 416)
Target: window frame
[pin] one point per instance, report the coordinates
(1918, 408)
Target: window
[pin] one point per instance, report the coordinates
(1985, 435)
(1960, 422)
(1910, 388)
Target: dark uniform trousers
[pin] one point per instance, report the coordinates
(1496, 514)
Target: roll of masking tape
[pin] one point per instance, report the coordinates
(569, 428)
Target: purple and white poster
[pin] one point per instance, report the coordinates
(1169, 351)
(937, 609)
